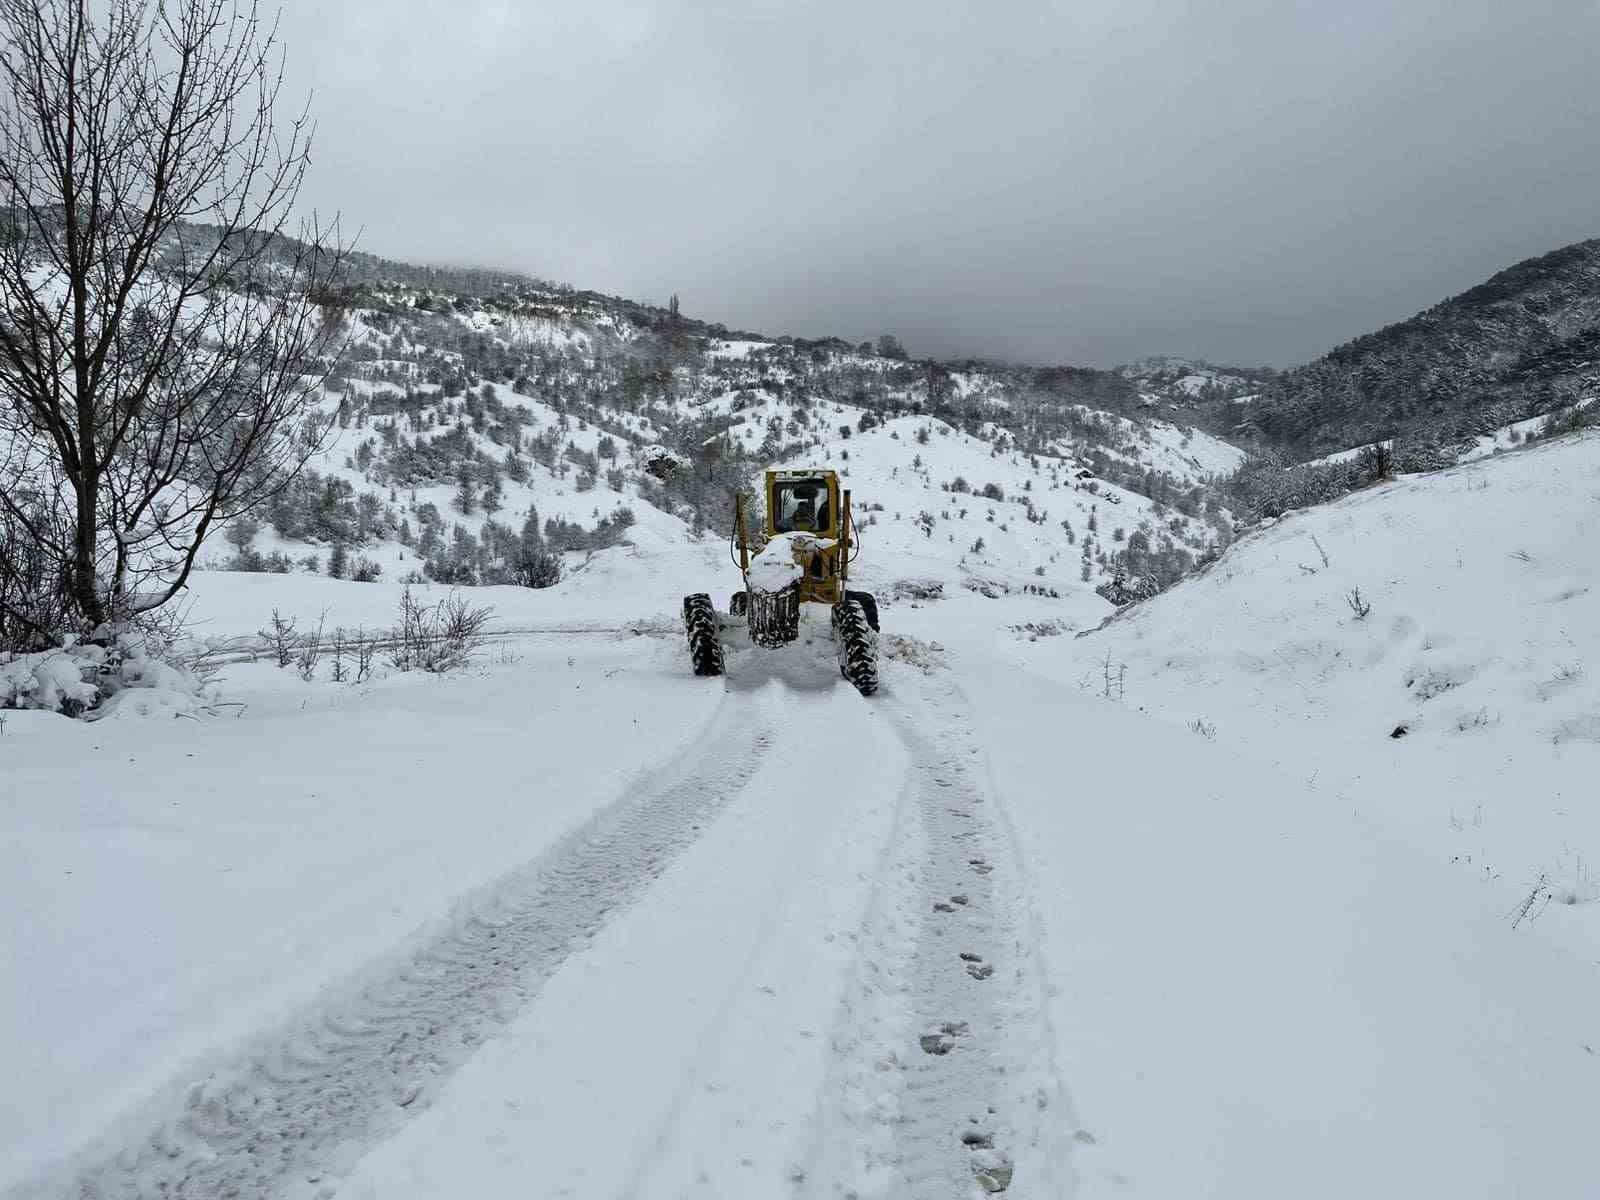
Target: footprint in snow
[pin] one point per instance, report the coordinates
(943, 1039)
(991, 1170)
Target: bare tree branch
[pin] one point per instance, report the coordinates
(161, 344)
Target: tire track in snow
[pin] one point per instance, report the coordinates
(946, 1085)
(292, 1116)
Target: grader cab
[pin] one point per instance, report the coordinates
(801, 554)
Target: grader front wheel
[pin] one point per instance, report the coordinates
(700, 625)
(869, 607)
(858, 646)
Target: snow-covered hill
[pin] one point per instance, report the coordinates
(1425, 649)
(472, 433)
(1173, 383)
(1521, 344)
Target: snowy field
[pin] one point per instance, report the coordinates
(574, 923)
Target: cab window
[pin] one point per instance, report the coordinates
(801, 505)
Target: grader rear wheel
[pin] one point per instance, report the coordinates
(858, 646)
(700, 625)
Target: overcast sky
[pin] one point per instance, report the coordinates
(1087, 182)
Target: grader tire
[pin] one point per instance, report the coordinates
(869, 607)
(858, 646)
(700, 625)
(739, 604)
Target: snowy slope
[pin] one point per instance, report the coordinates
(1260, 991)
(460, 417)
(1461, 711)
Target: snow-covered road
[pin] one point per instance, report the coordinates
(581, 925)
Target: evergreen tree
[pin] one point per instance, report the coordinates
(242, 533)
(532, 540)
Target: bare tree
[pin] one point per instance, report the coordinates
(161, 340)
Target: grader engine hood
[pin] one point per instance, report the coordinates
(785, 560)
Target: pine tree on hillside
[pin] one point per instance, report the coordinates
(242, 533)
(465, 498)
(532, 539)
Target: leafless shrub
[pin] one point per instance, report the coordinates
(336, 666)
(1357, 605)
(1525, 910)
(1204, 728)
(311, 651)
(366, 649)
(281, 638)
(166, 635)
(437, 638)
(35, 592)
(1114, 678)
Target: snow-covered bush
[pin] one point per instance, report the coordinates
(134, 672)
(660, 462)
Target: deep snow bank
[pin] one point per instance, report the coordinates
(1259, 993)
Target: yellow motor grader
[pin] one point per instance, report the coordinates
(802, 555)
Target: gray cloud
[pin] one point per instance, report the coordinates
(1083, 182)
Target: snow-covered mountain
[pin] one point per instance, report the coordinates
(475, 431)
(1176, 384)
(1522, 344)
